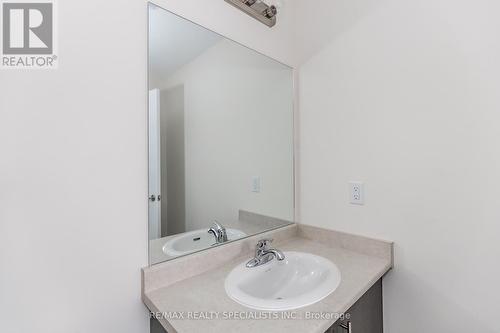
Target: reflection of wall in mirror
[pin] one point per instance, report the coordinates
(238, 124)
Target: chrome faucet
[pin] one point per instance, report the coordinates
(264, 254)
(219, 233)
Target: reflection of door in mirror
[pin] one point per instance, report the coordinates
(166, 167)
(154, 210)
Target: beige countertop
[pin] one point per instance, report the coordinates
(196, 301)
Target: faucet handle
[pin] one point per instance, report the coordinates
(263, 244)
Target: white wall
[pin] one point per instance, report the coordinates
(73, 172)
(73, 231)
(238, 121)
(403, 95)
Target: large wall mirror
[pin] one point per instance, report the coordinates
(220, 139)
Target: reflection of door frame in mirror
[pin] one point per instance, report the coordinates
(154, 174)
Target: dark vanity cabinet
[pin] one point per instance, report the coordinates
(155, 326)
(365, 316)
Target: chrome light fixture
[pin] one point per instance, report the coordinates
(257, 9)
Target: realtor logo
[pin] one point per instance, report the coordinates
(28, 35)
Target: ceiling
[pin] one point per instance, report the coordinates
(174, 42)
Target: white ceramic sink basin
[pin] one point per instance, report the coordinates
(195, 240)
(300, 280)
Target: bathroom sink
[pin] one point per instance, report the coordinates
(195, 240)
(300, 280)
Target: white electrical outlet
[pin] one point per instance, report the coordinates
(256, 184)
(357, 195)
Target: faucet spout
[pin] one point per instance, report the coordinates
(276, 253)
(219, 232)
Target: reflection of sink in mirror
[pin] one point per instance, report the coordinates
(196, 240)
(301, 279)
(246, 224)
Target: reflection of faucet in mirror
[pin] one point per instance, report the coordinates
(264, 254)
(219, 233)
